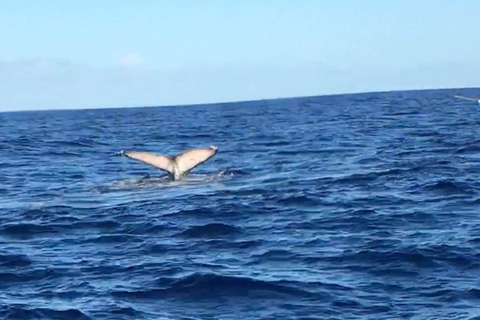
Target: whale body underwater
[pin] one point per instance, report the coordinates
(178, 166)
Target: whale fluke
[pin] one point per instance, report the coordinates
(177, 166)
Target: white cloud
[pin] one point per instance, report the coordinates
(131, 60)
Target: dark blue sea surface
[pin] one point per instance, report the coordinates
(362, 206)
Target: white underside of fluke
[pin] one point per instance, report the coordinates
(177, 166)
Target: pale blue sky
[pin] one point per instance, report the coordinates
(114, 53)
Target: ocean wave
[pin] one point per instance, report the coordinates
(450, 187)
(30, 276)
(99, 224)
(16, 312)
(213, 286)
(228, 244)
(14, 260)
(280, 255)
(299, 201)
(30, 229)
(211, 230)
(114, 238)
(399, 260)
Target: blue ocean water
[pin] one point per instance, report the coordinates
(362, 206)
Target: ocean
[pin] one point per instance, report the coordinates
(359, 206)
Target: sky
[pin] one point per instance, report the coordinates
(57, 54)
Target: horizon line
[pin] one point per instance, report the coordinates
(236, 101)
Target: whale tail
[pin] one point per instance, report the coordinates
(177, 166)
